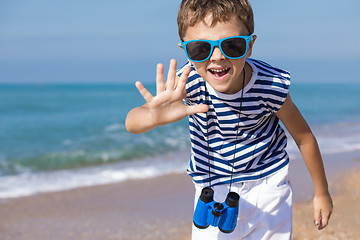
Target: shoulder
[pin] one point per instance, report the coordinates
(195, 85)
(194, 79)
(268, 75)
(271, 83)
(266, 69)
(193, 76)
(181, 70)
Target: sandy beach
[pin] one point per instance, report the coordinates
(156, 208)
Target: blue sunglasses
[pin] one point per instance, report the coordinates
(231, 47)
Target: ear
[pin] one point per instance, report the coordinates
(251, 44)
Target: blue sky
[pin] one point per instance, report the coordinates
(72, 41)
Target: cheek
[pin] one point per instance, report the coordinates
(201, 67)
(238, 64)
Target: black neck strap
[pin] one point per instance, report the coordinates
(237, 130)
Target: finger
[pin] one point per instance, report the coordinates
(181, 85)
(317, 218)
(143, 91)
(159, 78)
(190, 110)
(324, 220)
(170, 82)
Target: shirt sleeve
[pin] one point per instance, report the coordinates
(280, 88)
(272, 85)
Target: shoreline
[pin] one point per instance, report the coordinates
(338, 141)
(155, 209)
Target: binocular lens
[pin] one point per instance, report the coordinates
(207, 195)
(218, 207)
(232, 199)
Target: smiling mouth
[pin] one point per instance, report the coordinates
(219, 72)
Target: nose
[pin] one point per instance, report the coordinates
(217, 55)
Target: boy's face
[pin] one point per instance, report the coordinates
(222, 73)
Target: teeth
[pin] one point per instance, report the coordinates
(219, 70)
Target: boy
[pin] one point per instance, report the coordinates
(234, 105)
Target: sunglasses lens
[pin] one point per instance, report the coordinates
(198, 50)
(234, 47)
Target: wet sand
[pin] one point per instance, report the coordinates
(158, 208)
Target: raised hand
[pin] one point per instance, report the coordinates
(166, 106)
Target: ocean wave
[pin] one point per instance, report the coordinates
(55, 161)
(114, 127)
(104, 167)
(333, 138)
(109, 145)
(29, 183)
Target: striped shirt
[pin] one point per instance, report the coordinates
(261, 142)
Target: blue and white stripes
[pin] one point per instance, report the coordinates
(261, 142)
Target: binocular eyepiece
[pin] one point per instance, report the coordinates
(223, 215)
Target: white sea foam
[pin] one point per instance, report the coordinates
(332, 140)
(28, 183)
(67, 142)
(330, 145)
(113, 127)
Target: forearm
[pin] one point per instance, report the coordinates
(312, 157)
(139, 120)
(305, 140)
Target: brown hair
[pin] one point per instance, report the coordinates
(192, 12)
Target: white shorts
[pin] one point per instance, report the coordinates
(265, 209)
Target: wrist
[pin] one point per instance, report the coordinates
(322, 193)
(321, 186)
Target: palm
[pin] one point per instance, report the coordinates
(167, 106)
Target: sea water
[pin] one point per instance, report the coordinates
(57, 137)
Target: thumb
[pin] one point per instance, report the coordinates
(196, 109)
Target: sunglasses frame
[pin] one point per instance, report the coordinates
(217, 43)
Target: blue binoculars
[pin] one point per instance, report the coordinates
(223, 215)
